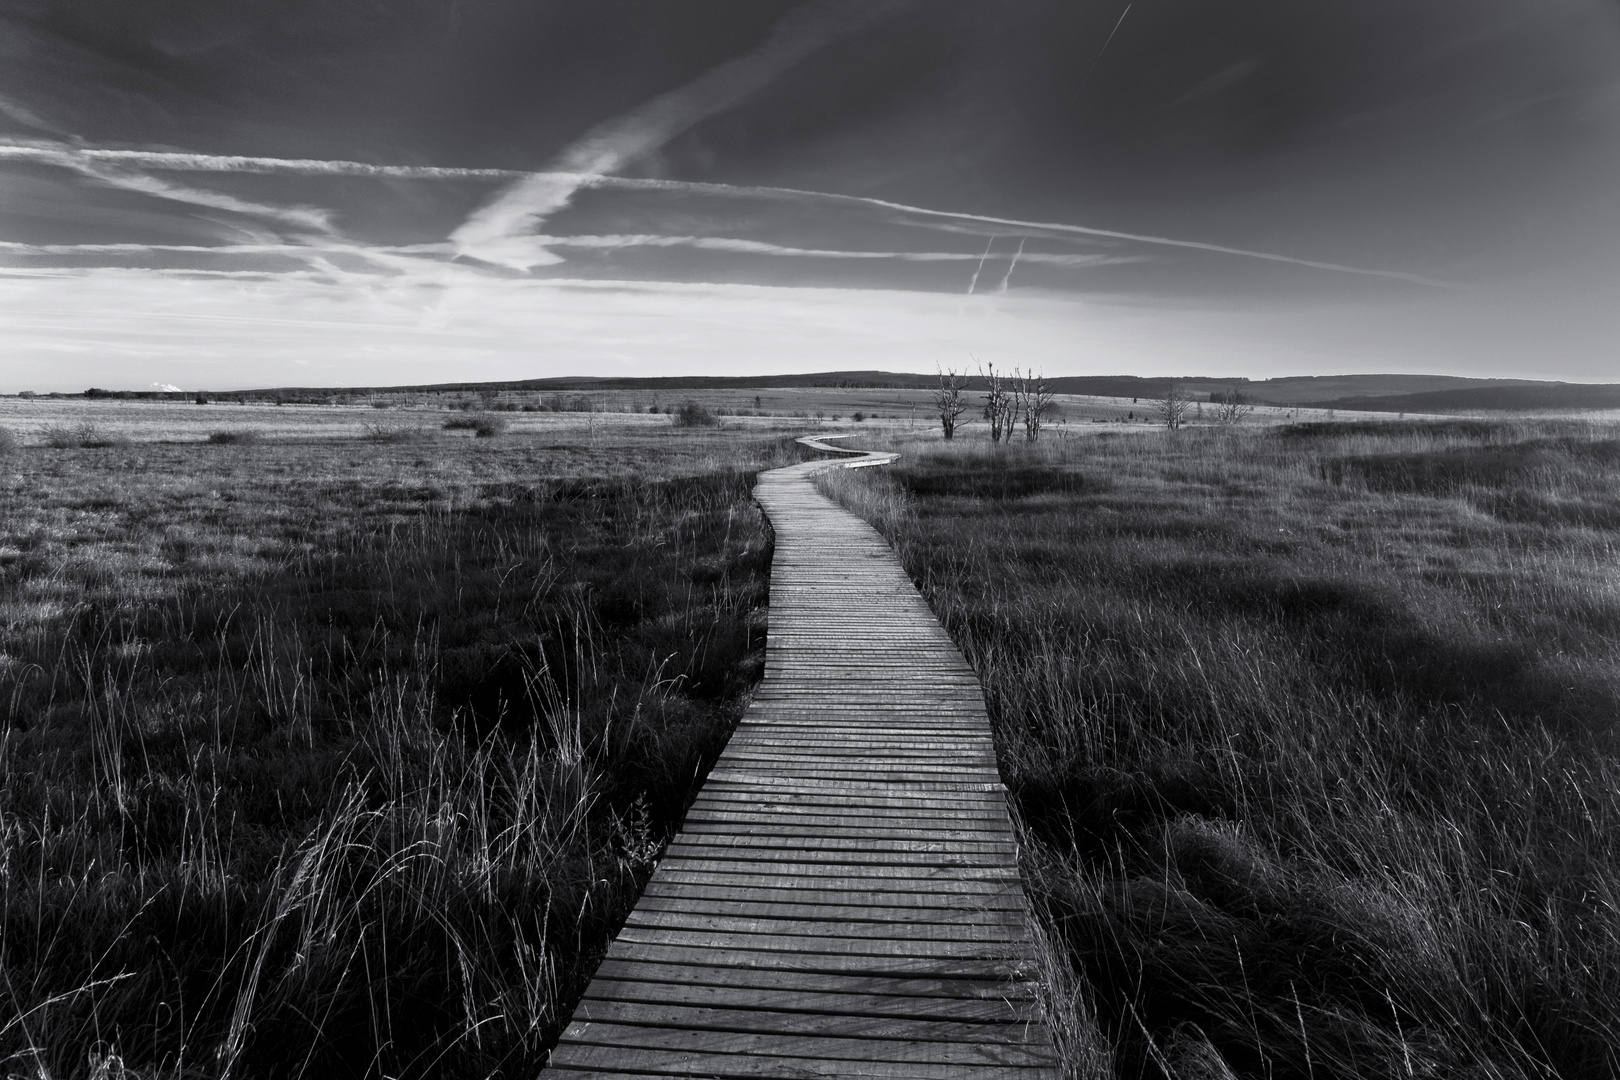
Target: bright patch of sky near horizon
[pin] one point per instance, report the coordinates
(318, 192)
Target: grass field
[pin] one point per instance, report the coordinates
(1312, 732)
(337, 743)
(337, 754)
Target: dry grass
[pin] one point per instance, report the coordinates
(345, 758)
(1311, 732)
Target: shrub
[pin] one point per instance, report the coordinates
(86, 436)
(235, 438)
(692, 414)
(8, 441)
(388, 433)
(858, 417)
(483, 426)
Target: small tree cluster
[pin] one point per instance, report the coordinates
(1231, 407)
(948, 401)
(1171, 410)
(1000, 405)
(1033, 399)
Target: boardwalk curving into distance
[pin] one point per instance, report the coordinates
(843, 899)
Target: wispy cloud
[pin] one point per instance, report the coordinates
(86, 163)
(505, 223)
(918, 214)
(177, 161)
(501, 232)
(758, 247)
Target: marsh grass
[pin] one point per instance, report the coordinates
(1312, 734)
(340, 760)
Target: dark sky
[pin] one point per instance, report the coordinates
(1304, 186)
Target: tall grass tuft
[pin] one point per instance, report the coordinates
(1311, 734)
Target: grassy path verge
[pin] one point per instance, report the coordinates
(344, 758)
(1312, 732)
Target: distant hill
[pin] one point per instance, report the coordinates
(1286, 391)
(1375, 393)
(1498, 398)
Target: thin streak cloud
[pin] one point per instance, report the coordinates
(1047, 227)
(501, 232)
(230, 163)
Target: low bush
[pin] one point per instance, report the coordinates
(693, 414)
(246, 437)
(482, 426)
(393, 433)
(82, 436)
(8, 441)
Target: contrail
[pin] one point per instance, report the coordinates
(1012, 224)
(230, 163)
(974, 283)
(499, 232)
(86, 163)
(574, 181)
(1007, 280)
(1110, 41)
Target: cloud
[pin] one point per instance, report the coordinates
(169, 387)
(615, 242)
(87, 163)
(501, 231)
(177, 161)
(1015, 225)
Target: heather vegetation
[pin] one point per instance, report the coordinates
(1311, 732)
(346, 757)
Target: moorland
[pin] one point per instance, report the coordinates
(339, 740)
(341, 749)
(1310, 730)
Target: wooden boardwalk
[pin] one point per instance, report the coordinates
(843, 899)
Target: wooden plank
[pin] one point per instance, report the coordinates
(821, 934)
(570, 1055)
(790, 1044)
(709, 905)
(781, 961)
(992, 991)
(757, 1019)
(981, 1012)
(930, 882)
(951, 945)
(827, 892)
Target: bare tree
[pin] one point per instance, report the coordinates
(1033, 399)
(1231, 407)
(1000, 406)
(1172, 408)
(948, 400)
